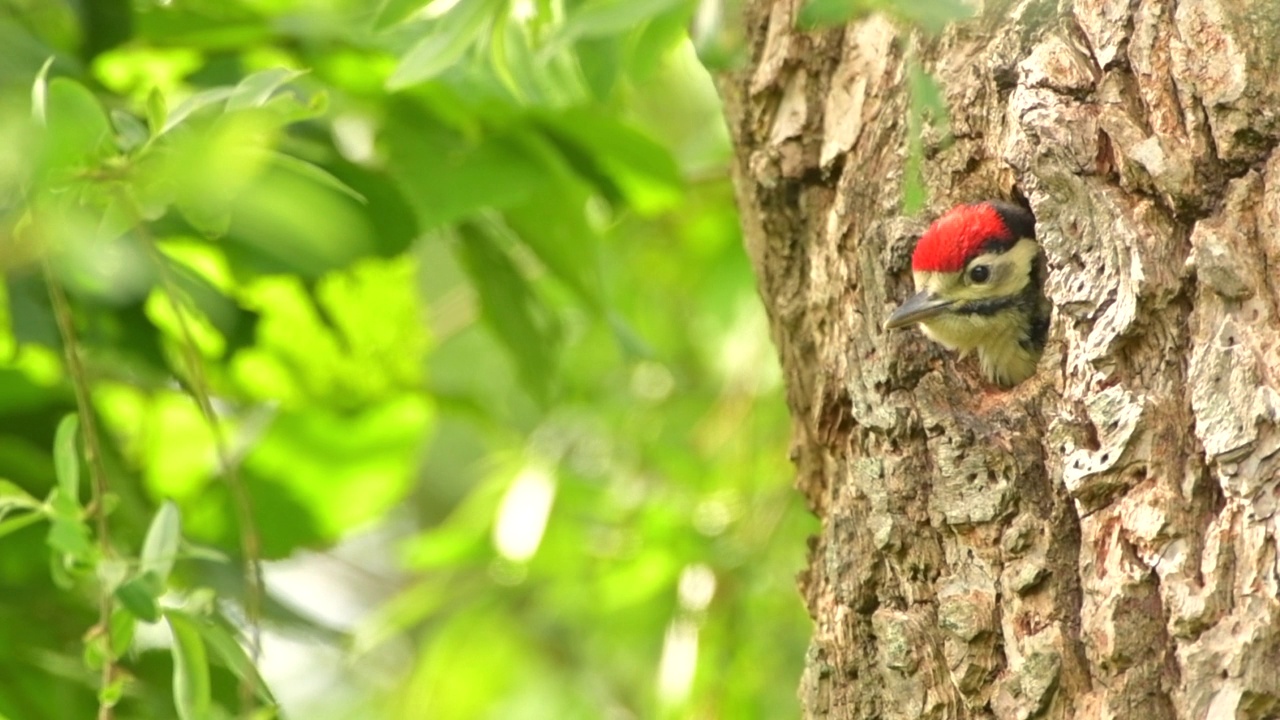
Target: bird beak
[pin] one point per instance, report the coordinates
(917, 308)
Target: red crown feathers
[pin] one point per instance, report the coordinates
(956, 237)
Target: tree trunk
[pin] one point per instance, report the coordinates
(1101, 541)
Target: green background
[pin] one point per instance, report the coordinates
(462, 288)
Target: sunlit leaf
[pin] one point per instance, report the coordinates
(256, 89)
(194, 104)
(78, 131)
(391, 12)
(346, 468)
(445, 43)
(235, 323)
(160, 548)
(666, 32)
(40, 92)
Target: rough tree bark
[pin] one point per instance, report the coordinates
(1101, 542)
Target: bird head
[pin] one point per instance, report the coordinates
(978, 287)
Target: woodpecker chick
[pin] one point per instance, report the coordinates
(979, 279)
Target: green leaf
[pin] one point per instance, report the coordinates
(233, 322)
(308, 227)
(610, 17)
(127, 336)
(514, 62)
(446, 175)
(926, 97)
(926, 94)
(31, 317)
(256, 89)
(194, 551)
(70, 538)
(340, 470)
(391, 12)
(826, 13)
(66, 457)
(603, 60)
(316, 174)
(666, 32)
(132, 133)
(517, 316)
(110, 695)
(40, 92)
(194, 104)
(157, 111)
(160, 548)
(444, 45)
(140, 596)
(60, 506)
(14, 498)
(191, 689)
(933, 16)
(59, 572)
(394, 223)
(554, 226)
(14, 524)
(79, 133)
(230, 653)
(123, 626)
(622, 161)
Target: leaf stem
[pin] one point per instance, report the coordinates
(93, 454)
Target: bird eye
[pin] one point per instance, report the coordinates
(979, 273)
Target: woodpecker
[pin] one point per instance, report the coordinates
(979, 283)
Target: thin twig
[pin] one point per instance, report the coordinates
(250, 542)
(93, 454)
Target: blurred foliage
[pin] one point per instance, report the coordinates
(438, 309)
